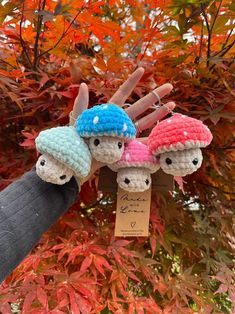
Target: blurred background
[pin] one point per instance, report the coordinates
(186, 265)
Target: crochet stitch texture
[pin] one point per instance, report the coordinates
(64, 144)
(139, 179)
(178, 132)
(105, 120)
(109, 150)
(136, 154)
(182, 161)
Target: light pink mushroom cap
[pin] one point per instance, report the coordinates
(178, 132)
(136, 154)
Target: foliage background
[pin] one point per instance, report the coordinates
(47, 49)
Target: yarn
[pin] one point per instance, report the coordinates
(181, 163)
(65, 146)
(105, 120)
(51, 170)
(178, 132)
(107, 126)
(135, 167)
(106, 149)
(137, 154)
(177, 141)
(134, 179)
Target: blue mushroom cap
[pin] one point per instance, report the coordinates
(105, 120)
(65, 145)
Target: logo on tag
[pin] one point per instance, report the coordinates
(132, 213)
(133, 223)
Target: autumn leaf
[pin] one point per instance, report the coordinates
(29, 298)
(185, 265)
(29, 142)
(100, 263)
(42, 297)
(86, 263)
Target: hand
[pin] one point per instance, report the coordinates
(139, 107)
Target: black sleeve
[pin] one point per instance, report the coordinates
(28, 207)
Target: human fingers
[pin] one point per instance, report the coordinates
(80, 103)
(127, 87)
(149, 120)
(142, 140)
(147, 101)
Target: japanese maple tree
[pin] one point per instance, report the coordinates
(186, 265)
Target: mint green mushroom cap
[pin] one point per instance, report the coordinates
(65, 145)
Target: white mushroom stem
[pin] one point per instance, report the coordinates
(181, 163)
(106, 149)
(53, 171)
(134, 179)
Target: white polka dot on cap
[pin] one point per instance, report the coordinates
(95, 120)
(127, 156)
(124, 127)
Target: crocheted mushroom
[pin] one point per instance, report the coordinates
(64, 154)
(178, 140)
(107, 127)
(135, 167)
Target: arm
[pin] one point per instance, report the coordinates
(28, 207)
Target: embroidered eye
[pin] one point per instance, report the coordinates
(119, 145)
(168, 161)
(62, 177)
(147, 182)
(127, 181)
(96, 142)
(42, 162)
(195, 161)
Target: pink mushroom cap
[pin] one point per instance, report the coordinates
(136, 154)
(178, 132)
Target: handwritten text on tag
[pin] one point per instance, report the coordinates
(132, 213)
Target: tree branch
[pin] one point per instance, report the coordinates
(224, 49)
(227, 48)
(7, 63)
(216, 15)
(22, 40)
(216, 188)
(61, 37)
(209, 36)
(223, 52)
(220, 148)
(227, 39)
(224, 46)
(39, 28)
(201, 42)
